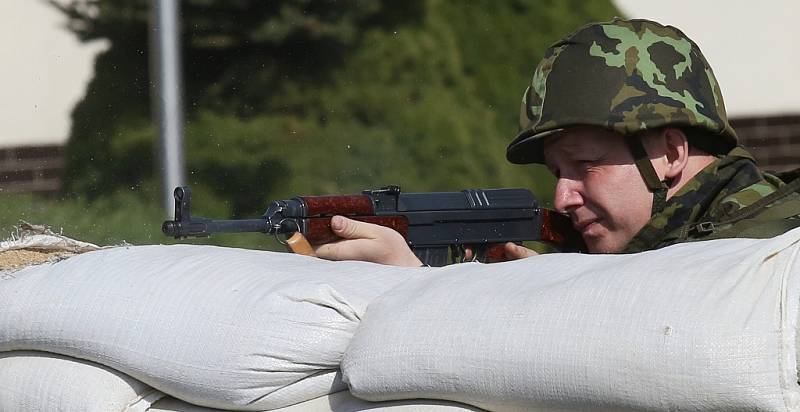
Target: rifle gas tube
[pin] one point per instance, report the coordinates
(436, 225)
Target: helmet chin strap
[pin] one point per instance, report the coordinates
(654, 184)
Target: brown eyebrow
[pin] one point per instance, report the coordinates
(572, 149)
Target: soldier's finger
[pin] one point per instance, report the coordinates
(468, 254)
(340, 250)
(515, 251)
(353, 229)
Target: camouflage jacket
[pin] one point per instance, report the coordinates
(729, 198)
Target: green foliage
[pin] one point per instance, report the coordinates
(123, 217)
(314, 97)
(111, 220)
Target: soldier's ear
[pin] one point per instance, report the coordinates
(676, 146)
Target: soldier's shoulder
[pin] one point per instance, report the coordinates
(765, 209)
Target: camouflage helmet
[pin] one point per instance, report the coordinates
(626, 76)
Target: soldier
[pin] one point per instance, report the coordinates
(628, 116)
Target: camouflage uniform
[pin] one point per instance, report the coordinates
(631, 76)
(729, 198)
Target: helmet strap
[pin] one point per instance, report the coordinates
(654, 184)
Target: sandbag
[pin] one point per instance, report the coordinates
(218, 327)
(696, 326)
(38, 381)
(335, 402)
(35, 244)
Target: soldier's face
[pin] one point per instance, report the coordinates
(599, 186)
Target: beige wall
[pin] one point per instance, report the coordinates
(751, 45)
(43, 73)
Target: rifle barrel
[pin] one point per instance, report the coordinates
(203, 227)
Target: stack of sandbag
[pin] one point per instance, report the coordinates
(215, 327)
(40, 381)
(699, 326)
(709, 325)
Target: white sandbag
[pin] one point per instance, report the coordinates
(39, 381)
(218, 327)
(38, 237)
(35, 244)
(335, 402)
(699, 326)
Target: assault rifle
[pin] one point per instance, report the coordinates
(437, 225)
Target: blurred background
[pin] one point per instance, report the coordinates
(297, 97)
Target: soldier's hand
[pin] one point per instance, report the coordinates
(367, 242)
(511, 251)
(515, 251)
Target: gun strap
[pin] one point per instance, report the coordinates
(758, 206)
(657, 186)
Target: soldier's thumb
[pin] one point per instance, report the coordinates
(349, 228)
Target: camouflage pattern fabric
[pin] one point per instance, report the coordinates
(626, 76)
(702, 209)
